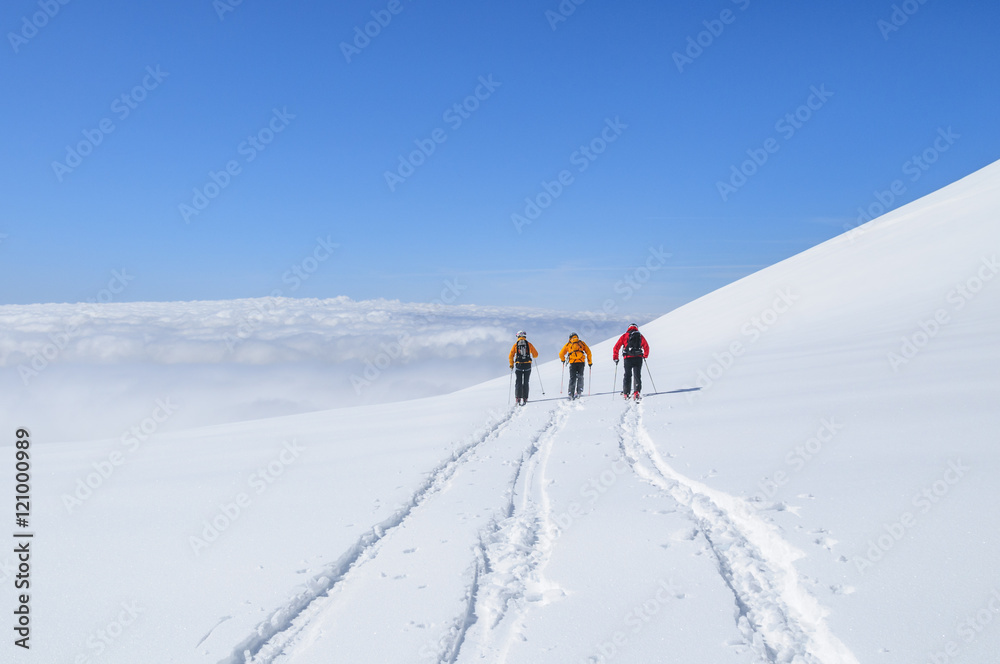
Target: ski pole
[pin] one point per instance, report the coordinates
(614, 381)
(650, 374)
(590, 382)
(510, 385)
(562, 375)
(540, 380)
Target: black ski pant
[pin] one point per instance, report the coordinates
(575, 379)
(633, 367)
(522, 371)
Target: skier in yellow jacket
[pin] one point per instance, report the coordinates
(520, 357)
(575, 352)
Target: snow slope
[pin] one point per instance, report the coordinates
(813, 481)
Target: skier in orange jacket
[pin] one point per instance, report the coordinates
(520, 358)
(575, 352)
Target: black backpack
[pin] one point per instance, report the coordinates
(522, 351)
(634, 346)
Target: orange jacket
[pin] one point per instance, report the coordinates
(578, 351)
(513, 352)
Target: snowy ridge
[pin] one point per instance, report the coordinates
(779, 619)
(272, 635)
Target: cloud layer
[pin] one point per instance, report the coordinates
(89, 370)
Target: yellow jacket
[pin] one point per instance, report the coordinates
(513, 352)
(578, 351)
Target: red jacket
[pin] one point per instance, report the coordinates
(622, 341)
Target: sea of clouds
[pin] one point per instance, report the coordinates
(83, 371)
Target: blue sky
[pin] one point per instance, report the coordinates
(163, 98)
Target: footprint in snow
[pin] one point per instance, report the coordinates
(413, 550)
(826, 542)
(841, 589)
(769, 507)
(685, 534)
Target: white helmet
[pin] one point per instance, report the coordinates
(522, 333)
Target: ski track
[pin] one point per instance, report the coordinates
(512, 549)
(781, 622)
(452, 646)
(214, 627)
(272, 635)
(779, 619)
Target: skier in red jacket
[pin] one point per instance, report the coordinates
(634, 349)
